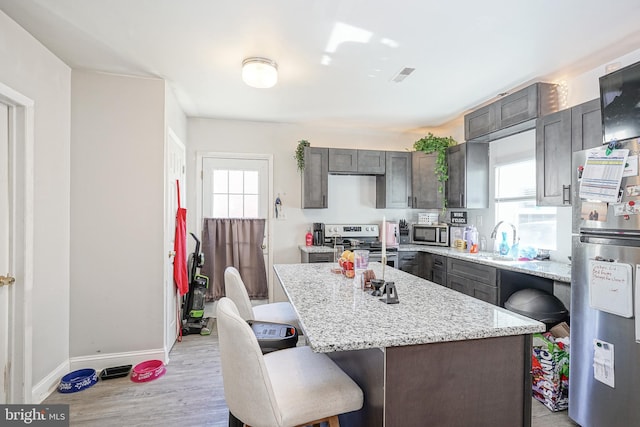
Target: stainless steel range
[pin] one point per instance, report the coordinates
(360, 236)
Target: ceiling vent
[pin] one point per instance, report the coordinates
(403, 74)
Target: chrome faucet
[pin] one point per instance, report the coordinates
(495, 231)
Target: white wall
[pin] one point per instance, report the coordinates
(117, 196)
(29, 68)
(351, 199)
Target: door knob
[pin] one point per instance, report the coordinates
(172, 254)
(264, 246)
(7, 280)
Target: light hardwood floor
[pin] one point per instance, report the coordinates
(189, 394)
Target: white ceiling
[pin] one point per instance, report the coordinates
(465, 52)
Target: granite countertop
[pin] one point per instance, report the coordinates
(336, 316)
(549, 269)
(315, 249)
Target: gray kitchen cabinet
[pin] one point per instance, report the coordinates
(407, 262)
(357, 162)
(307, 257)
(526, 104)
(342, 160)
(438, 270)
(371, 162)
(315, 177)
(553, 159)
(416, 263)
(393, 189)
(480, 122)
(511, 114)
(470, 278)
(468, 169)
(424, 182)
(586, 125)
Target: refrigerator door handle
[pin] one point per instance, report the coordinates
(610, 241)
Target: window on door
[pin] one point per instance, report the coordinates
(235, 193)
(515, 202)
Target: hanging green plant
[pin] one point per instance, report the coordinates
(438, 144)
(299, 155)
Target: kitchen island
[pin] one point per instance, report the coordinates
(437, 358)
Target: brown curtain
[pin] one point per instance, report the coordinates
(238, 243)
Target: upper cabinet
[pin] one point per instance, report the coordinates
(480, 122)
(343, 160)
(351, 161)
(553, 157)
(558, 135)
(315, 177)
(393, 189)
(586, 125)
(371, 162)
(511, 114)
(468, 169)
(424, 181)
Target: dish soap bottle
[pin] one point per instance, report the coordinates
(504, 246)
(308, 239)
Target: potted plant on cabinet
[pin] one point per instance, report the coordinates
(438, 144)
(299, 154)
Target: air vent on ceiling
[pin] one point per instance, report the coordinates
(403, 74)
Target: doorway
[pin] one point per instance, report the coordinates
(16, 245)
(238, 186)
(175, 166)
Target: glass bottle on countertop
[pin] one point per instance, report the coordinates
(504, 246)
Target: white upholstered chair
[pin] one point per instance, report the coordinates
(285, 388)
(277, 312)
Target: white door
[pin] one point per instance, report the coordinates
(238, 187)
(175, 171)
(4, 254)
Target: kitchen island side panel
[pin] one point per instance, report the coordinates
(366, 368)
(478, 383)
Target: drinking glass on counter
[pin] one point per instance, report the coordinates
(360, 265)
(337, 252)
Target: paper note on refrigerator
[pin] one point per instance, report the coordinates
(611, 287)
(603, 362)
(602, 175)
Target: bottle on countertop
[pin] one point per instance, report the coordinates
(308, 238)
(504, 246)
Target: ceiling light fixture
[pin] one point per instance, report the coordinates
(259, 72)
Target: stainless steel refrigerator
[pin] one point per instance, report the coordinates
(605, 253)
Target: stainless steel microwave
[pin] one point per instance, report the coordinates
(430, 234)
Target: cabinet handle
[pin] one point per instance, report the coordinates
(461, 199)
(324, 204)
(566, 194)
(410, 204)
(415, 202)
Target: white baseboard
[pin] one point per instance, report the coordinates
(49, 384)
(99, 362)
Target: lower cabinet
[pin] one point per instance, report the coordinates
(438, 270)
(416, 263)
(476, 280)
(316, 256)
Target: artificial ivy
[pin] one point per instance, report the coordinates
(299, 155)
(439, 145)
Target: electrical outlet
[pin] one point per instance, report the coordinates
(479, 221)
